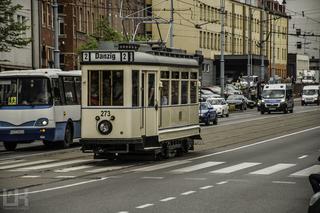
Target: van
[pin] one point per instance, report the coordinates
(310, 95)
(277, 98)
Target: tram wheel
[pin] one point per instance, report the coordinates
(10, 146)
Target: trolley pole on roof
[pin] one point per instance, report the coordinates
(222, 47)
(171, 23)
(56, 35)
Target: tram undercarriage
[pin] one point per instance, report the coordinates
(155, 151)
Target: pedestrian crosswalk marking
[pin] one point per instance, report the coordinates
(50, 165)
(306, 172)
(70, 169)
(25, 164)
(197, 167)
(106, 169)
(273, 169)
(235, 168)
(161, 166)
(11, 161)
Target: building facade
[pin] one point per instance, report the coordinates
(27, 57)
(197, 26)
(78, 19)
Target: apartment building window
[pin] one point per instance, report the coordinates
(88, 19)
(278, 53)
(200, 40)
(49, 18)
(92, 23)
(279, 32)
(80, 19)
(60, 9)
(201, 12)
(205, 12)
(204, 40)
(215, 41)
(226, 18)
(219, 44)
(43, 14)
(61, 26)
(212, 40)
(208, 40)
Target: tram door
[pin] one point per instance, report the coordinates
(150, 103)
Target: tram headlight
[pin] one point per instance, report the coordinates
(105, 127)
(42, 122)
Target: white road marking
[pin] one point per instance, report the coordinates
(206, 187)
(302, 157)
(30, 176)
(123, 212)
(168, 199)
(106, 169)
(255, 144)
(53, 188)
(25, 164)
(284, 182)
(50, 165)
(144, 206)
(65, 177)
(273, 169)
(70, 169)
(306, 172)
(188, 193)
(153, 178)
(197, 167)
(222, 182)
(161, 166)
(234, 168)
(195, 178)
(11, 161)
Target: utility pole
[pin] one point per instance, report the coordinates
(171, 23)
(262, 42)
(56, 35)
(222, 47)
(273, 50)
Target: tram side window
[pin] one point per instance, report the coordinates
(174, 92)
(193, 91)
(69, 91)
(94, 88)
(106, 88)
(165, 93)
(184, 92)
(135, 88)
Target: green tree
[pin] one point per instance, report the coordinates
(90, 44)
(12, 32)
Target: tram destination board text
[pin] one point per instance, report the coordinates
(108, 56)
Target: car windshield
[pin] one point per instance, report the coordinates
(215, 101)
(203, 106)
(273, 94)
(25, 91)
(234, 97)
(309, 92)
(308, 77)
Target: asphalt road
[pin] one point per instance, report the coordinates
(248, 163)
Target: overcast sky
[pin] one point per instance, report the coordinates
(310, 23)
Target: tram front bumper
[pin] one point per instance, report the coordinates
(111, 145)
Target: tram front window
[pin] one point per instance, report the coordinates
(109, 84)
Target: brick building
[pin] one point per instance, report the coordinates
(77, 20)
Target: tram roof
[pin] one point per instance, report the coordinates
(41, 72)
(146, 58)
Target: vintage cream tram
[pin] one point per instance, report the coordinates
(139, 101)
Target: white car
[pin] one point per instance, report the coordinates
(220, 105)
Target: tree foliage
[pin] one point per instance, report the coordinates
(12, 32)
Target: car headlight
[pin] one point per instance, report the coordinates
(283, 100)
(105, 127)
(42, 122)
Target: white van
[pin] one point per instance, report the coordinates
(310, 95)
(277, 98)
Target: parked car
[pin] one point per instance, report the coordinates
(207, 114)
(250, 103)
(238, 101)
(213, 89)
(258, 105)
(220, 105)
(230, 89)
(205, 94)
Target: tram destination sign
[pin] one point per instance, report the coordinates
(108, 56)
